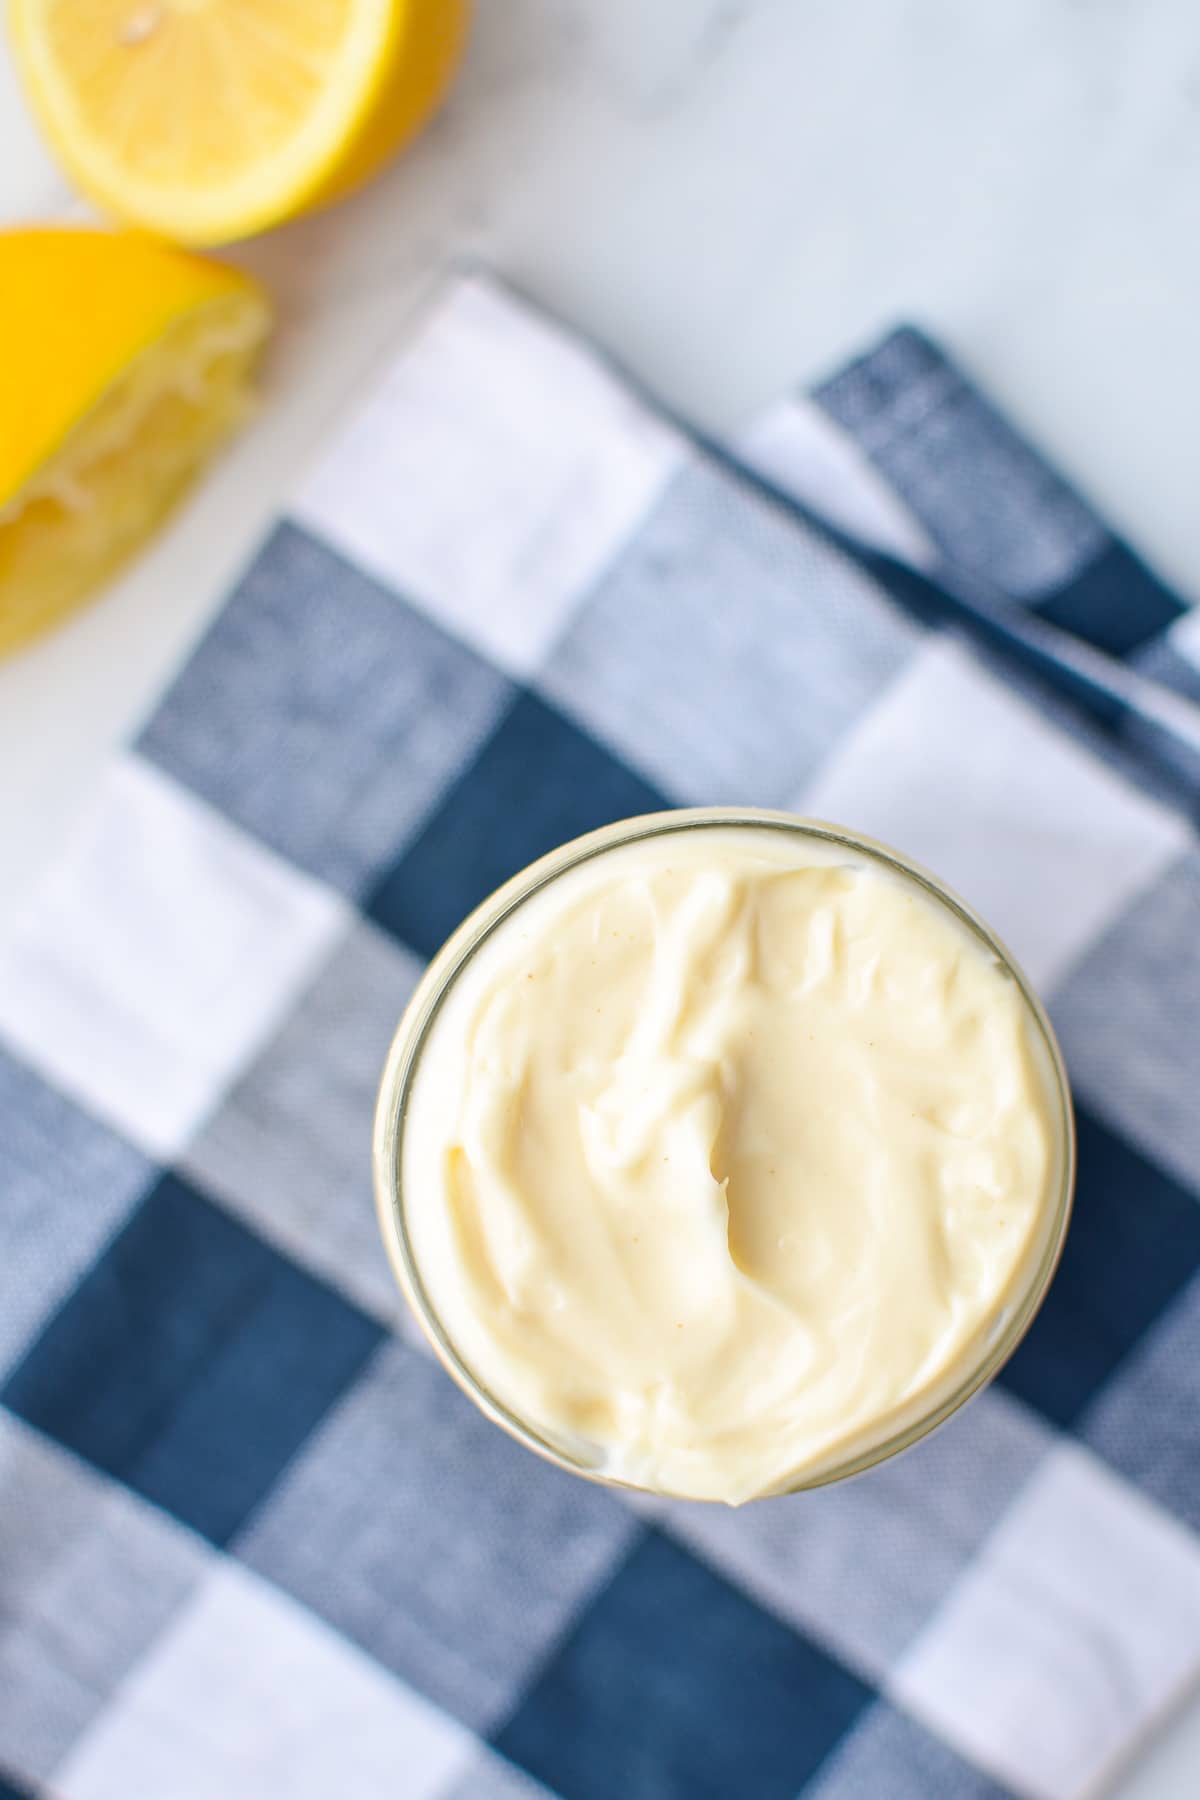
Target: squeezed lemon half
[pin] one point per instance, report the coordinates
(123, 366)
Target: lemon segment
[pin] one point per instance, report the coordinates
(207, 120)
(123, 365)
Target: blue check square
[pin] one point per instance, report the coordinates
(1134, 1243)
(539, 780)
(191, 1361)
(316, 670)
(675, 1686)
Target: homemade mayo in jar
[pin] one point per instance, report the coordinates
(723, 1153)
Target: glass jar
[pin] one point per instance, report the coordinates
(1004, 1331)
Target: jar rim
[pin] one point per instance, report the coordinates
(479, 926)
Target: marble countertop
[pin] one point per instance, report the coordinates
(731, 195)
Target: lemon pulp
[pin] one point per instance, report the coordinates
(204, 120)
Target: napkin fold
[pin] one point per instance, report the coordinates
(252, 1540)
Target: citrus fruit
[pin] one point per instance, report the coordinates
(123, 364)
(207, 120)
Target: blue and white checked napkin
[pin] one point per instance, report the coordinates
(253, 1543)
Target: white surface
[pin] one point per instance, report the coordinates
(730, 194)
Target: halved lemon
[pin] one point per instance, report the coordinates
(123, 365)
(206, 120)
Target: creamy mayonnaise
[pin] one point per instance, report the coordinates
(725, 1156)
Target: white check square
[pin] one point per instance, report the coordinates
(158, 956)
(1184, 636)
(247, 1695)
(1031, 828)
(800, 449)
(1072, 1633)
(494, 472)
(91, 1576)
